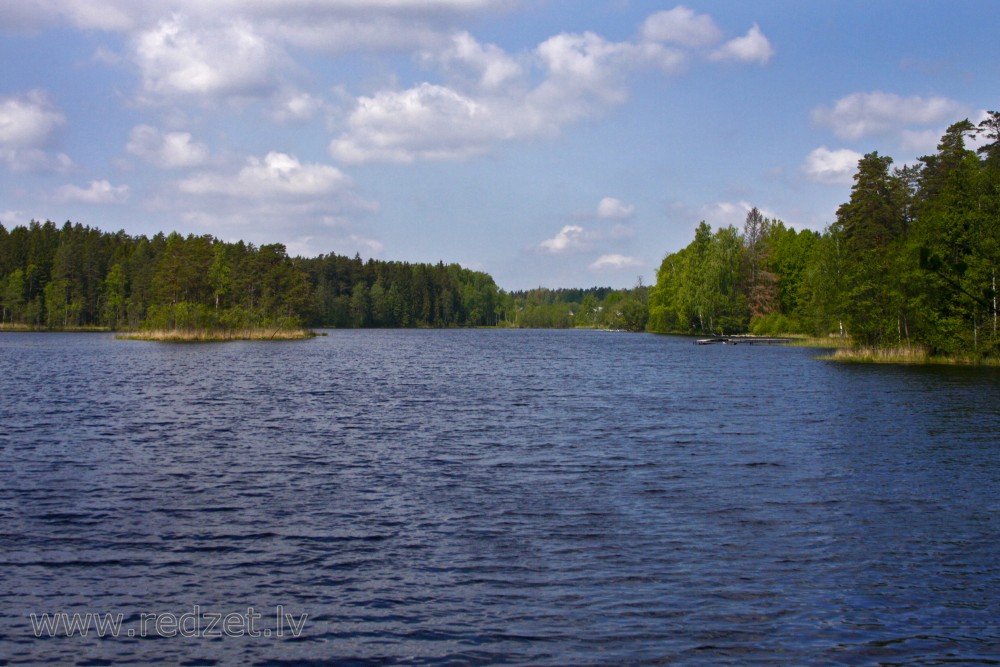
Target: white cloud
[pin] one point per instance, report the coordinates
(426, 122)
(277, 175)
(28, 124)
(833, 167)
(864, 114)
(179, 59)
(753, 47)
(681, 25)
(490, 65)
(615, 262)
(920, 142)
(576, 75)
(297, 107)
(98, 192)
(610, 208)
(170, 151)
(570, 238)
(332, 26)
(583, 70)
(276, 196)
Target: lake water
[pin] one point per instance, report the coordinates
(494, 497)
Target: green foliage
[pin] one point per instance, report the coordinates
(910, 263)
(597, 307)
(345, 292)
(77, 276)
(702, 288)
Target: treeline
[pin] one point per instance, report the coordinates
(352, 293)
(910, 260)
(597, 307)
(76, 276)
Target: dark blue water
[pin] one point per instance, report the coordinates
(496, 497)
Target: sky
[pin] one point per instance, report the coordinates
(547, 142)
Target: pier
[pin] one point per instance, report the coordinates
(743, 340)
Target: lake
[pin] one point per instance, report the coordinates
(493, 497)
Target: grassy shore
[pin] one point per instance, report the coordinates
(798, 340)
(905, 355)
(215, 335)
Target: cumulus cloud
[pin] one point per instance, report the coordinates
(610, 208)
(753, 47)
(180, 59)
(833, 167)
(864, 114)
(98, 192)
(172, 150)
(425, 122)
(489, 65)
(615, 261)
(28, 124)
(681, 25)
(570, 238)
(333, 26)
(575, 75)
(311, 202)
(276, 175)
(584, 72)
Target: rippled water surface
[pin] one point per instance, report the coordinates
(497, 497)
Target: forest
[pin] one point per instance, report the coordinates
(74, 276)
(911, 260)
(593, 308)
(77, 277)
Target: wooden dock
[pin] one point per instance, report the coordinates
(743, 340)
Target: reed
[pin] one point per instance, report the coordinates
(839, 342)
(906, 355)
(214, 335)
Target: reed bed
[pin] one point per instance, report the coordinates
(215, 335)
(798, 340)
(905, 355)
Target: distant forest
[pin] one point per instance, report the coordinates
(911, 259)
(75, 276)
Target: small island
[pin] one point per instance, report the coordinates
(215, 335)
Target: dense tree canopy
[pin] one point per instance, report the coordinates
(76, 276)
(911, 259)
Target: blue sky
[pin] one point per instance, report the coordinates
(547, 142)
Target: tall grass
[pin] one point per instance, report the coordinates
(215, 335)
(798, 340)
(905, 355)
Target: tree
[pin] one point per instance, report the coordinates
(114, 296)
(360, 306)
(760, 285)
(13, 296)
